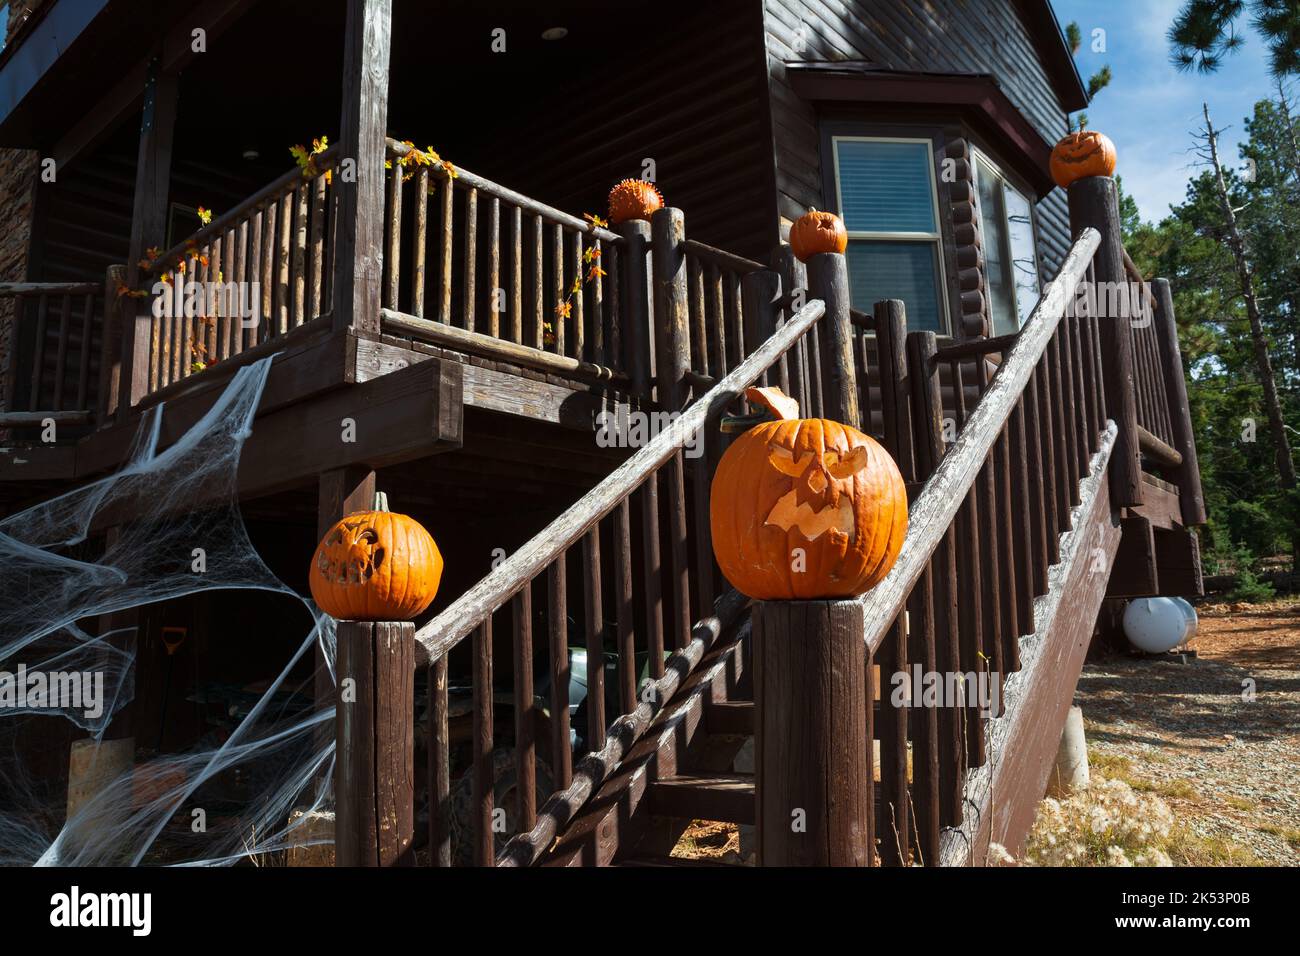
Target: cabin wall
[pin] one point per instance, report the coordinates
(939, 36)
(685, 92)
(17, 198)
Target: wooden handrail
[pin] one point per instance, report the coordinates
(476, 343)
(50, 288)
(518, 199)
(715, 256)
(446, 630)
(936, 507)
(272, 190)
(1155, 448)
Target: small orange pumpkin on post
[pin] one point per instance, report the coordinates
(1083, 153)
(816, 232)
(375, 566)
(802, 509)
(633, 199)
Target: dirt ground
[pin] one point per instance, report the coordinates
(1217, 737)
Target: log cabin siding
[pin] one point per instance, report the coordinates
(953, 36)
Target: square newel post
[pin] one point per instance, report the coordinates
(374, 767)
(672, 316)
(359, 256)
(634, 303)
(828, 280)
(812, 774)
(1095, 203)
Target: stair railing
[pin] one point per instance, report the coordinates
(647, 583)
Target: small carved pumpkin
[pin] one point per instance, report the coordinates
(375, 566)
(805, 508)
(816, 232)
(1082, 153)
(633, 199)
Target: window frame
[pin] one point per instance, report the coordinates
(938, 239)
(985, 160)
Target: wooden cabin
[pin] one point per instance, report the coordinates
(1047, 448)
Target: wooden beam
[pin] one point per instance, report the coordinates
(1160, 504)
(1134, 572)
(148, 225)
(1157, 451)
(1178, 559)
(358, 258)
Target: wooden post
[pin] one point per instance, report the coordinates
(634, 304)
(896, 409)
(812, 779)
(359, 257)
(1180, 413)
(1094, 202)
(374, 769)
(110, 362)
(671, 308)
(828, 280)
(148, 227)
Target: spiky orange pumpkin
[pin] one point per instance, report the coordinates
(375, 566)
(805, 508)
(1083, 153)
(633, 199)
(815, 232)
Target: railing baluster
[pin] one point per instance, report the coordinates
(925, 802)
(315, 285)
(525, 714)
(539, 287)
(1079, 404)
(282, 294)
(38, 356)
(484, 850)
(611, 299)
(681, 570)
(1066, 398)
(653, 582)
(445, 251)
(83, 370)
(1040, 389)
(623, 603)
(578, 317)
(420, 241)
(699, 345)
(558, 322)
(393, 254)
(471, 256)
(595, 618)
(517, 275)
(61, 355)
(718, 327)
(266, 329)
(494, 267)
(300, 256)
(557, 619)
(439, 769)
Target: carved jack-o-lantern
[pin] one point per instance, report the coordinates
(375, 566)
(805, 508)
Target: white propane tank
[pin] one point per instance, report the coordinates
(1160, 624)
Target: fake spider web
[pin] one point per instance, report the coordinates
(180, 532)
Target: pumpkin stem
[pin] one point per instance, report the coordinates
(381, 501)
(780, 405)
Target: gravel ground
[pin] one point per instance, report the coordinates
(1228, 766)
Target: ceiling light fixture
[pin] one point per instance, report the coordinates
(555, 33)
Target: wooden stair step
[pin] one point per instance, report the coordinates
(729, 717)
(728, 797)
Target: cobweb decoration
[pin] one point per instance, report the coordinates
(179, 532)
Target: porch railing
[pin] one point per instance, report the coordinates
(53, 351)
(263, 269)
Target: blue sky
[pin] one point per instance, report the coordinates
(1150, 109)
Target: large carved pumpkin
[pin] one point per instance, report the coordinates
(804, 508)
(815, 232)
(633, 199)
(375, 566)
(1081, 154)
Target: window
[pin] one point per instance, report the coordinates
(1010, 252)
(886, 194)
